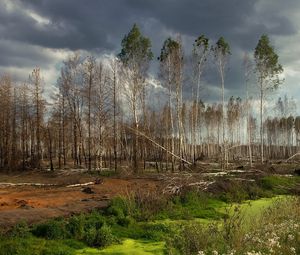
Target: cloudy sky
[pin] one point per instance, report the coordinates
(44, 32)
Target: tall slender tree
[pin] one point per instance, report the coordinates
(221, 53)
(200, 54)
(135, 55)
(268, 70)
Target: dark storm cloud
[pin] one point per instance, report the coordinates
(99, 26)
(96, 24)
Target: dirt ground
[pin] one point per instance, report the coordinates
(32, 200)
(35, 195)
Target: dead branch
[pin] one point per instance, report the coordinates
(157, 144)
(298, 153)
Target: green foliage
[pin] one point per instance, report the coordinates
(21, 230)
(201, 42)
(194, 237)
(123, 210)
(93, 220)
(222, 48)
(267, 64)
(33, 246)
(136, 49)
(238, 192)
(279, 184)
(192, 204)
(273, 231)
(99, 237)
(13, 247)
(50, 230)
(76, 227)
(170, 47)
(74, 244)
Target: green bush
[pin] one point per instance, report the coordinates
(21, 230)
(118, 207)
(155, 231)
(99, 237)
(15, 246)
(75, 227)
(94, 220)
(50, 230)
(278, 184)
(126, 221)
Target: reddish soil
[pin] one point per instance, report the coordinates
(35, 204)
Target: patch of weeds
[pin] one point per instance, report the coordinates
(279, 185)
(53, 229)
(20, 230)
(99, 237)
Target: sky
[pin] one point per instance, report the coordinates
(43, 33)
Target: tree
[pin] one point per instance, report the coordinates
(171, 68)
(71, 85)
(36, 81)
(90, 66)
(248, 69)
(268, 70)
(221, 52)
(135, 55)
(200, 53)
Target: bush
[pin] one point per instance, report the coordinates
(75, 227)
(120, 207)
(93, 220)
(50, 230)
(99, 237)
(15, 246)
(126, 221)
(276, 231)
(278, 184)
(21, 230)
(156, 231)
(195, 237)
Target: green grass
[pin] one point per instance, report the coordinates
(128, 247)
(279, 184)
(38, 246)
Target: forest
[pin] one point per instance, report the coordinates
(102, 114)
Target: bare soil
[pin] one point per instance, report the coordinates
(33, 202)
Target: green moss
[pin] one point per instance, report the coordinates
(128, 247)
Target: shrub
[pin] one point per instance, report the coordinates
(50, 230)
(126, 221)
(14, 246)
(75, 227)
(99, 237)
(21, 230)
(94, 220)
(121, 207)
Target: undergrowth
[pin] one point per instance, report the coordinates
(156, 217)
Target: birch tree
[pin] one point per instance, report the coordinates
(221, 53)
(200, 53)
(268, 70)
(135, 55)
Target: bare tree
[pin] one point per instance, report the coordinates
(221, 52)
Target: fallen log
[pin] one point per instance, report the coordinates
(158, 145)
